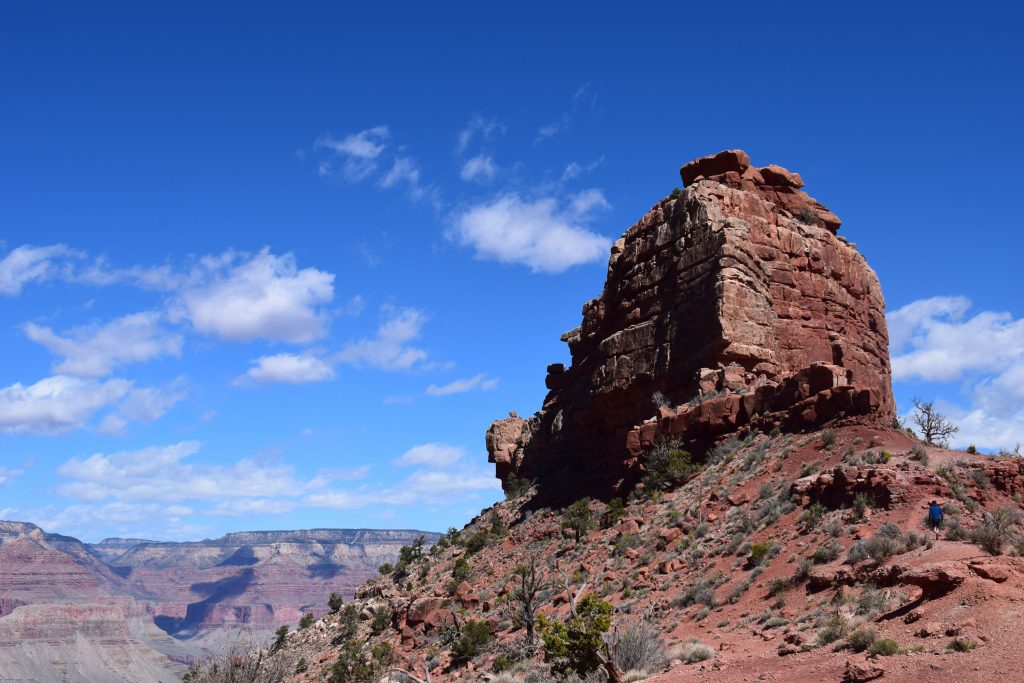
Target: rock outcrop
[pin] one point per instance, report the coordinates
(733, 299)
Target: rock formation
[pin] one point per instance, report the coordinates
(733, 299)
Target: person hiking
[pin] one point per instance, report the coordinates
(935, 517)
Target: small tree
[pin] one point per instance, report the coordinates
(578, 518)
(498, 526)
(667, 465)
(615, 511)
(281, 636)
(460, 570)
(577, 645)
(525, 599)
(335, 603)
(473, 637)
(935, 427)
(381, 620)
(306, 620)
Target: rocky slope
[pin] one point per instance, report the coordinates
(136, 610)
(786, 543)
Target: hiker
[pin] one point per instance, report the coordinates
(935, 517)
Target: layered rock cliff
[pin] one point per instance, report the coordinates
(733, 299)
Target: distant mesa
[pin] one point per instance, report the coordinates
(732, 304)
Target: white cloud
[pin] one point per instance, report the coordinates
(144, 405)
(389, 349)
(574, 170)
(56, 404)
(94, 351)
(580, 97)
(432, 454)
(7, 476)
(242, 297)
(534, 233)
(477, 125)
(589, 200)
(359, 150)
(161, 474)
(934, 340)
(480, 168)
(403, 169)
(287, 368)
(27, 264)
(459, 386)
(251, 506)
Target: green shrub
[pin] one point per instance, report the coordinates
(574, 645)
(477, 542)
(811, 517)
(613, 512)
(386, 568)
(996, 530)
(280, 638)
(861, 638)
(381, 620)
(760, 554)
(667, 465)
(335, 602)
(826, 553)
(473, 637)
(306, 620)
(578, 518)
(961, 645)
(354, 666)
(516, 487)
(828, 437)
(861, 502)
(836, 628)
(460, 570)
(885, 647)
(972, 449)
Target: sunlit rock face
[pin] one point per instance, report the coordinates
(735, 295)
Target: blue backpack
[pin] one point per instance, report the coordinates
(935, 513)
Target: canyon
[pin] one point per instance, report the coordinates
(138, 610)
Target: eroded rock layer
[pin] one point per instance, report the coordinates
(733, 299)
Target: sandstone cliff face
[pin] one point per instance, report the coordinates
(735, 296)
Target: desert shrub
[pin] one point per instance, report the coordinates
(613, 512)
(826, 553)
(861, 638)
(760, 554)
(836, 628)
(885, 647)
(861, 502)
(691, 652)
(626, 542)
(638, 647)
(961, 645)
(386, 568)
(778, 586)
(737, 591)
(574, 645)
(811, 517)
(280, 638)
(700, 591)
(828, 437)
(871, 601)
(460, 570)
(477, 541)
(955, 532)
(241, 660)
(498, 526)
(996, 530)
(356, 665)
(301, 666)
(980, 478)
(516, 487)
(919, 454)
(803, 570)
(335, 603)
(667, 465)
(676, 192)
(578, 518)
(472, 638)
(381, 620)
(972, 449)
(306, 620)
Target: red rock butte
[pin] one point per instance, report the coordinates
(733, 304)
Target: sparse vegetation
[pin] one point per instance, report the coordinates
(280, 638)
(242, 661)
(472, 638)
(358, 664)
(886, 542)
(306, 620)
(637, 646)
(692, 652)
(516, 487)
(884, 647)
(667, 465)
(996, 530)
(613, 512)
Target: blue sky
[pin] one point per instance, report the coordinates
(278, 265)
